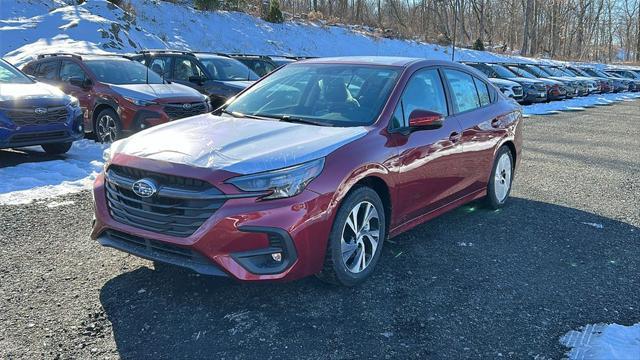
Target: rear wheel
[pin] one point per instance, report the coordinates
(356, 239)
(57, 148)
(499, 186)
(108, 127)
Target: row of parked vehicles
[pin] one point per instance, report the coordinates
(306, 172)
(533, 83)
(112, 96)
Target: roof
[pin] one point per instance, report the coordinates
(371, 60)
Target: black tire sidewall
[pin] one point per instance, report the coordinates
(343, 275)
(492, 198)
(115, 117)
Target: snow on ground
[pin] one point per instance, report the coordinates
(578, 104)
(75, 172)
(603, 342)
(29, 27)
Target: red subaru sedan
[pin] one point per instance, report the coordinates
(309, 170)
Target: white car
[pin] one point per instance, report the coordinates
(510, 88)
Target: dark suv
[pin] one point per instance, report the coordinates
(32, 113)
(218, 76)
(117, 95)
(260, 64)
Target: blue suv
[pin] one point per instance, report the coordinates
(33, 113)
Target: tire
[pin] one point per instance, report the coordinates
(107, 127)
(57, 148)
(501, 179)
(350, 271)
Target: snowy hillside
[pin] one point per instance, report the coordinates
(29, 27)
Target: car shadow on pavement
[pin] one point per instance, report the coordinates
(471, 283)
(13, 157)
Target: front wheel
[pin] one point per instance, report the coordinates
(57, 148)
(108, 128)
(499, 186)
(356, 239)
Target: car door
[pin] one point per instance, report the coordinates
(187, 72)
(71, 70)
(482, 129)
(427, 174)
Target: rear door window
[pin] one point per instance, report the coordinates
(48, 70)
(161, 65)
(483, 92)
(463, 88)
(70, 70)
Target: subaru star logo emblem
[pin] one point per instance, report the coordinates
(186, 106)
(40, 111)
(144, 188)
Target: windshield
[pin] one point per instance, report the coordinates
(502, 71)
(521, 72)
(9, 75)
(122, 72)
(325, 94)
(554, 71)
(225, 69)
(578, 72)
(537, 71)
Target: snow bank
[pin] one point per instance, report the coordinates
(605, 342)
(28, 28)
(26, 182)
(578, 104)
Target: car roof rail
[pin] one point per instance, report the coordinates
(212, 53)
(249, 55)
(73, 55)
(165, 51)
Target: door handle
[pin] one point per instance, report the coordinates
(455, 136)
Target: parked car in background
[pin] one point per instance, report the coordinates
(260, 64)
(619, 85)
(310, 170)
(510, 89)
(634, 84)
(533, 90)
(605, 85)
(570, 86)
(555, 89)
(118, 95)
(218, 76)
(583, 84)
(33, 113)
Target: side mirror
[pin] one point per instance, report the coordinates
(79, 82)
(425, 120)
(197, 79)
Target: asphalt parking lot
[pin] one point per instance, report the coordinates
(471, 284)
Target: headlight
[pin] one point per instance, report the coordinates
(140, 102)
(73, 101)
(280, 183)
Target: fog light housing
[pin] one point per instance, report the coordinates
(276, 257)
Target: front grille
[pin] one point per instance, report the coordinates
(179, 111)
(43, 137)
(180, 206)
(29, 117)
(540, 87)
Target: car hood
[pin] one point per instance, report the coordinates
(239, 145)
(499, 82)
(240, 84)
(157, 91)
(36, 94)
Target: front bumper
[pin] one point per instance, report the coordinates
(238, 240)
(12, 136)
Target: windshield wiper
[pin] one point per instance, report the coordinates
(291, 119)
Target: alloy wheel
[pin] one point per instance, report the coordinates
(360, 237)
(107, 129)
(502, 178)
